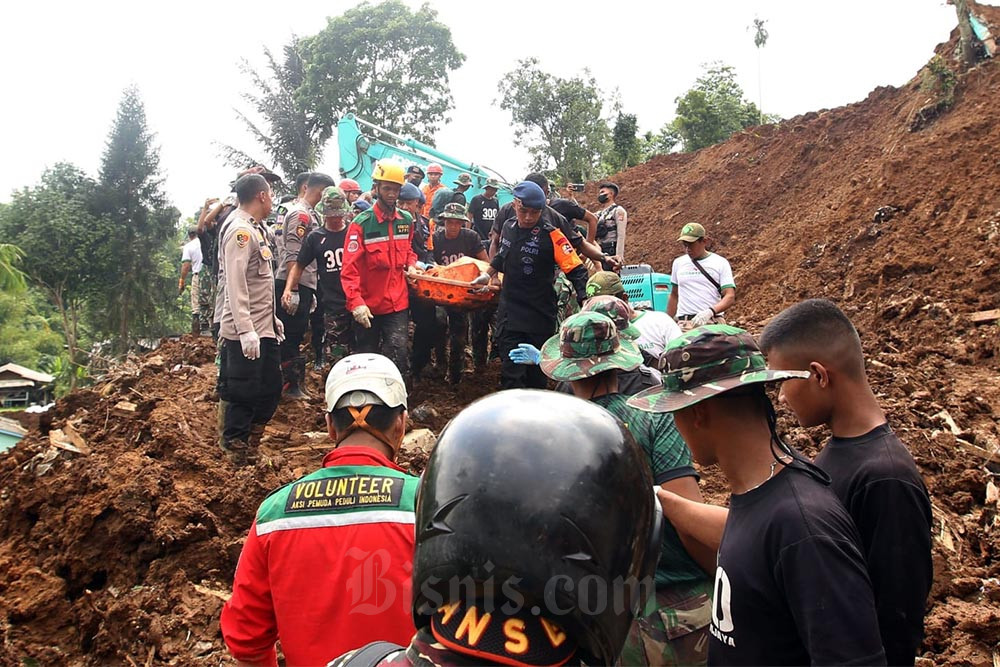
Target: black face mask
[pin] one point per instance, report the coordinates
(602, 198)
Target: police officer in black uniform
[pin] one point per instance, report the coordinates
(531, 249)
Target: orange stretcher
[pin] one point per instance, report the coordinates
(451, 285)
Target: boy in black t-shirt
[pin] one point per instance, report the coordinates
(873, 473)
(450, 244)
(791, 587)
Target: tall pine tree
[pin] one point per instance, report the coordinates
(132, 196)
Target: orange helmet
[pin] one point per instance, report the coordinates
(388, 171)
(434, 168)
(347, 185)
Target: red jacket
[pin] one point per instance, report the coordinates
(377, 252)
(327, 564)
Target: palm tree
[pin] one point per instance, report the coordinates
(12, 279)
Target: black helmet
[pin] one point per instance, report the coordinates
(550, 496)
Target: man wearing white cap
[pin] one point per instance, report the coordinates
(328, 560)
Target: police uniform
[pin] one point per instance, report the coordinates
(528, 258)
(299, 219)
(249, 388)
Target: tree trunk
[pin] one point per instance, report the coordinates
(966, 49)
(69, 320)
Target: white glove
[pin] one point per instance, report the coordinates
(290, 302)
(703, 317)
(279, 329)
(363, 316)
(250, 342)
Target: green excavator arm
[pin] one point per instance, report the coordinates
(361, 144)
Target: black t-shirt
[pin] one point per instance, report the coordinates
(506, 212)
(458, 198)
(326, 248)
(569, 209)
(484, 213)
(791, 586)
(877, 480)
(446, 250)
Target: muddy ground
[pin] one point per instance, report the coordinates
(123, 554)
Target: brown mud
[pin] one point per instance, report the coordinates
(123, 554)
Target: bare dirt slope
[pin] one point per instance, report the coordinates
(124, 554)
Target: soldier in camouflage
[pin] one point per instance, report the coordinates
(589, 354)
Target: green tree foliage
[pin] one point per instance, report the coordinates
(386, 63)
(659, 143)
(131, 195)
(713, 109)
(29, 330)
(760, 36)
(292, 136)
(559, 120)
(65, 241)
(12, 279)
(626, 145)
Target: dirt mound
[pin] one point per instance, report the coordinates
(124, 553)
(901, 228)
(122, 522)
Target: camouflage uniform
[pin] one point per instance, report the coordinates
(206, 298)
(566, 303)
(617, 310)
(674, 628)
(587, 344)
(692, 374)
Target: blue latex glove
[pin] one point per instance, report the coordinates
(525, 353)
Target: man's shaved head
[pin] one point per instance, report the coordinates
(815, 330)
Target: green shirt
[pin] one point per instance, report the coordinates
(669, 458)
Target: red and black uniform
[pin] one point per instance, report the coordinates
(529, 258)
(377, 252)
(327, 564)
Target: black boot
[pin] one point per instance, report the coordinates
(238, 452)
(295, 375)
(195, 325)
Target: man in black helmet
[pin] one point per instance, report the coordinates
(559, 580)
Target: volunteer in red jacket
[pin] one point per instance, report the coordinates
(377, 256)
(328, 561)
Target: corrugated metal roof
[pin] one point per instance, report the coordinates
(14, 384)
(34, 376)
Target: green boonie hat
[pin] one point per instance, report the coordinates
(464, 179)
(333, 201)
(492, 183)
(705, 362)
(455, 211)
(605, 282)
(587, 344)
(692, 232)
(617, 310)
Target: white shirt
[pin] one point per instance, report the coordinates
(656, 329)
(192, 253)
(694, 291)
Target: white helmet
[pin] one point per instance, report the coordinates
(364, 379)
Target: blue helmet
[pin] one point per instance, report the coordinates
(409, 192)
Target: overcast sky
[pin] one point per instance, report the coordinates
(66, 64)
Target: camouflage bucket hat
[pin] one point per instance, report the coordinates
(492, 183)
(455, 211)
(587, 344)
(464, 179)
(617, 310)
(605, 282)
(333, 201)
(706, 362)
